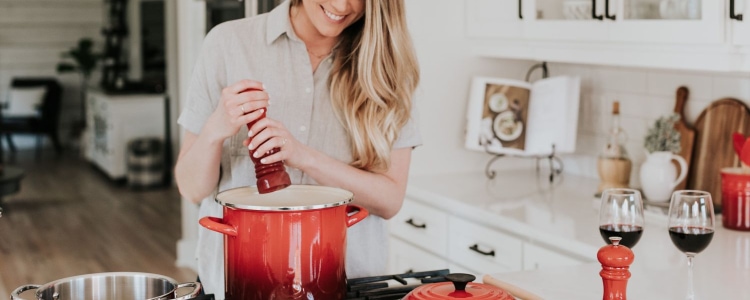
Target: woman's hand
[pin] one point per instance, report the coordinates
(241, 102)
(267, 134)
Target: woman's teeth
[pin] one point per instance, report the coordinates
(332, 16)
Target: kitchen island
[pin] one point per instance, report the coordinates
(563, 216)
(659, 271)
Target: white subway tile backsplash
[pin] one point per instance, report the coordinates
(734, 87)
(618, 80)
(635, 128)
(641, 105)
(663, 83)
(644, 96)
(693, 109)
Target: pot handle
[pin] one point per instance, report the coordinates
(16, 294)
(196, 290)
(215, 224)
(361, 214)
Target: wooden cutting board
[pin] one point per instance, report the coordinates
(687, 133)
(713, 148)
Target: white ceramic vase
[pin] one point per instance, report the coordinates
(659, 176)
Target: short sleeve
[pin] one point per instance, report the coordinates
(206, 83)
(410, 136)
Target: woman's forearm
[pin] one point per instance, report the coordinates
(197, 168)
(382, 194)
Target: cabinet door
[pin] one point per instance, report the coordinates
(483, 249)
(405, 258)
(741, 28)
(669, 21)
(494, 18)
(535, 258)
(570, 20)
(422, 225)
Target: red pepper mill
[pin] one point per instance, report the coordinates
(269, 177)
(615, 260)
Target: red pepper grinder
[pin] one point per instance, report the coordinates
(615, 260)
(269, 177)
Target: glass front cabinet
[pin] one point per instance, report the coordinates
(582, 29)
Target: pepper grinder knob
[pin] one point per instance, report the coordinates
(616, 260)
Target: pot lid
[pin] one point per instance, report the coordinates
(293, 197)
(459, 287)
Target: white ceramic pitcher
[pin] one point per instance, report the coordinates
(659, 176)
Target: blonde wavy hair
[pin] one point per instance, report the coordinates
(372, 81)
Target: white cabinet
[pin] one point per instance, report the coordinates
(422, 225)
(656, 21)
(424, 237)
(494, 18)
(483, 249)
(741, 28)
(680, 34)
(115, 120)
(536, 257)
(406, 258)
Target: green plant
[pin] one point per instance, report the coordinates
(81, 59)
(663, 136)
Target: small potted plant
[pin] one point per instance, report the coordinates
(658, 175)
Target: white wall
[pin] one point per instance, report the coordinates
(644, 95)
(34, 33)
(448, 65)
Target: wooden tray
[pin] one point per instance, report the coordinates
(713, 148)
(687, 133)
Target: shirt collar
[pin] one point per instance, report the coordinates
(279, 23)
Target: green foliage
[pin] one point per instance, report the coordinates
(80, 58)
(663, 136)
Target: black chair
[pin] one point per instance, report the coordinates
(43, 124)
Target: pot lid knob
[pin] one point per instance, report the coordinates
(460, 280)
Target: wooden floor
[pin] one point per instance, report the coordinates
(69, 219)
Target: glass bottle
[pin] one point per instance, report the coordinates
(613, 164)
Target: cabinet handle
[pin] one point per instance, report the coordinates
(732, 15)
(520, 9)
(593, 11)
(475, 248)
(411, 222)
(606, 10)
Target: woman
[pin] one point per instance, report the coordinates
(337, 77)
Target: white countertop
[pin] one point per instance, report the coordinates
(563, 215)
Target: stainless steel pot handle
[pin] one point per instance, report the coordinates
(196, 290)
(16, 294)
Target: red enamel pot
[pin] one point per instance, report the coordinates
(289, 244)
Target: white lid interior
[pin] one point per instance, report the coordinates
(294, 197)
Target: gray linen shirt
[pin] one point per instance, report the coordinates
(265, 48)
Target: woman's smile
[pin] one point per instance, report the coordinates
(333, 17)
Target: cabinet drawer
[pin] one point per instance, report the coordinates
(405, 257)
(423, 226)
(535, 257)
(483, 249)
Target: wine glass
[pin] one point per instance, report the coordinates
(621, 214)
(691, 226)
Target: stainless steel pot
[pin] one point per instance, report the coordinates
(110, 286)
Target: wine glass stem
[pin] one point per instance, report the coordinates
(690, 292)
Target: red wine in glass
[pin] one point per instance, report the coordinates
(691, 239)
(691, 226)
(630, 234)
